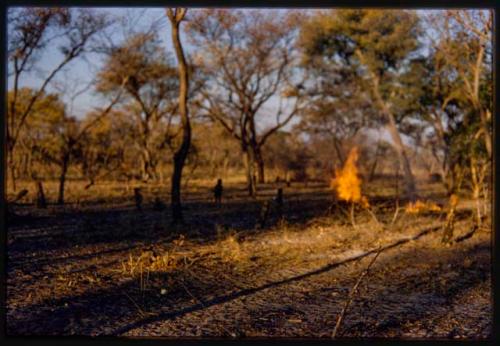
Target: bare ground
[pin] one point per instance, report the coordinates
(91, 270)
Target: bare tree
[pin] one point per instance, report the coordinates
(176, 16)
(151, 87)
(248, 58)
(63, 142)
(458, 93)
(473, 30)
(32, 29)
(375, 48)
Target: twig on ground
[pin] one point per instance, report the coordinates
(352, 294)
(468, 234)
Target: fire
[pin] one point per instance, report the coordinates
(347, 182)
(419, 206)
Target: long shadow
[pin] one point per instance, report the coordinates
(426, 292)
(113, 228)
(108, 227)
(249, 291)
(100, 299)
(84, 309)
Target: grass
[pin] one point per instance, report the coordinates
(170, 269)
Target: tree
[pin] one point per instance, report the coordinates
(457, 91)
(31, 31)
(336, 118)
(216, 149)
(35, 130)
(53, 135)
(151, 87)
(467, 46)
(457, 101)
(249, 62)
(291, 163)
(108, 147)
(176, 16)
(376, 49)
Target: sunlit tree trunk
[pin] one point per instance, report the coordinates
(148, 169)
(409, 181)
(248, 160)
(260, 166)
(176, 16)
(338, 150)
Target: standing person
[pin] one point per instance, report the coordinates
(218, 192)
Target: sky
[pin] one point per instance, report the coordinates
(77, 77)
(78, 74)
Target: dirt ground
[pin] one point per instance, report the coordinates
(107, 269)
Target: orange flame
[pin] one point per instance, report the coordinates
(347, 182)
(419, 206)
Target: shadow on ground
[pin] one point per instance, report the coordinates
(117, 309)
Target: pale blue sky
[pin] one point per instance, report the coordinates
(80, 72)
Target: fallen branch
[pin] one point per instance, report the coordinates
(467, 235)
(352, 294)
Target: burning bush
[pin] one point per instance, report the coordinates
(347, 182)
(419, 206)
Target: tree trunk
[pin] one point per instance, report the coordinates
(374, 165)
(409, 181)
(13, 175)
(338, 150)
(249, 167)
(41, 202)
(485, 115)
(12, 169)
(372, 170)
(409, 184)
(62, 179)
(144, 167)
(148, 170)
(260, 166)
(181, 154)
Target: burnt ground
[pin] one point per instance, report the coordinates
(102, 269)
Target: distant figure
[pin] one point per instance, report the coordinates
(138, 198)
(218, 192)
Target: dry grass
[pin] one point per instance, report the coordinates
(186, 270)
